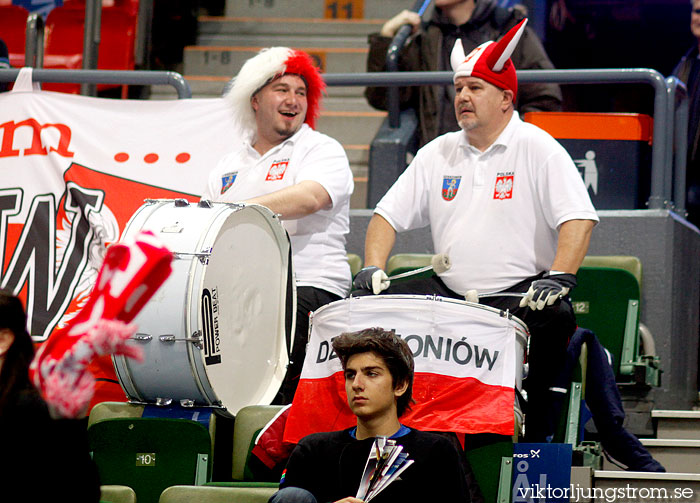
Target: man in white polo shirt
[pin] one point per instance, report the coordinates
(301, 174)
(506, 203)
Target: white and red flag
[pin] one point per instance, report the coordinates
(465, 365)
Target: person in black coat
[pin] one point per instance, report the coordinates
(42, 458)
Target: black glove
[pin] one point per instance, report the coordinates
(548, 290)
(371, 278)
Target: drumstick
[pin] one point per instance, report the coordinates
(474, 296)
(438, 263)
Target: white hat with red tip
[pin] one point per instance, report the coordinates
(490, 61)
(268, 64)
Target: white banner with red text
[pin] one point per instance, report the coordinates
(73, 170)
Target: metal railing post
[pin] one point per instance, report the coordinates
(34, 41)
(393, 102)
(91, 42)
(144, 29)
(678, 139)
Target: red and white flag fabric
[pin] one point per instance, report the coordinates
(73, 169)
(129, 276)
(465, 365)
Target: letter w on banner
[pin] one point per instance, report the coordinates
(73, 170)
(467, 359)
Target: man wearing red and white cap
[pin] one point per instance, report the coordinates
(506, 203)
(299, 173)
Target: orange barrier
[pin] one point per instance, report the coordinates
(594, 126)
(611, 150)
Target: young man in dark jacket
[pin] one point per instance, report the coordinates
(474, 22)
(378, 368)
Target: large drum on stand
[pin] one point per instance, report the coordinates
(215, 334)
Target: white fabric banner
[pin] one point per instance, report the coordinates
(446, 337)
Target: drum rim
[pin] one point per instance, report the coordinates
(434, 298)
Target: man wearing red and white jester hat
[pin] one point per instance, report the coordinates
(506, 203)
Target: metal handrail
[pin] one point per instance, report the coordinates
(660, 195)
(34, 41)
(392, 64)
(122, 77)
(677, 137)
(91, 42)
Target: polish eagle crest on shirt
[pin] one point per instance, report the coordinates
(227, 180)
(277, 170)
(450, 185)
(504, 186)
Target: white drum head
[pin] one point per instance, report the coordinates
(243, 287)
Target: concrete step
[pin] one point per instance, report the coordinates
(208, 26)
(676, 455)
(682, 456)
(318, 9)
(227, 60)
(641, 487)
(358, 200)
(353, 128)
(677, 424)
(283, 39)
(357, 154)
(346, 104)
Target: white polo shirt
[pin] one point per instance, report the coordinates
(495, 213)
(318, 240)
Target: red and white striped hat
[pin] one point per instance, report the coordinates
(490, 61)
(267, 65)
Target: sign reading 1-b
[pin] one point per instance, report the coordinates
(344, 9)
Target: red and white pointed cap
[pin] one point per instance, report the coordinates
(267, 65)
(490, 61)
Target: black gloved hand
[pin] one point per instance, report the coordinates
(371, 278)
(548, 290)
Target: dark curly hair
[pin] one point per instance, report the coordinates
(392, 349)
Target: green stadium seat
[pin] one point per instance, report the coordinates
(117, 494)
(110, 410)
(150, 454)
(355, 262)
(607, 301)
(249, 422)
(404, 262)
(208, 494)
(486, 465)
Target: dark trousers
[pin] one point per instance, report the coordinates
(604, 401)
(309, 299)
(550, 330)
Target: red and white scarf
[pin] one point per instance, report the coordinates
(130, 275)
